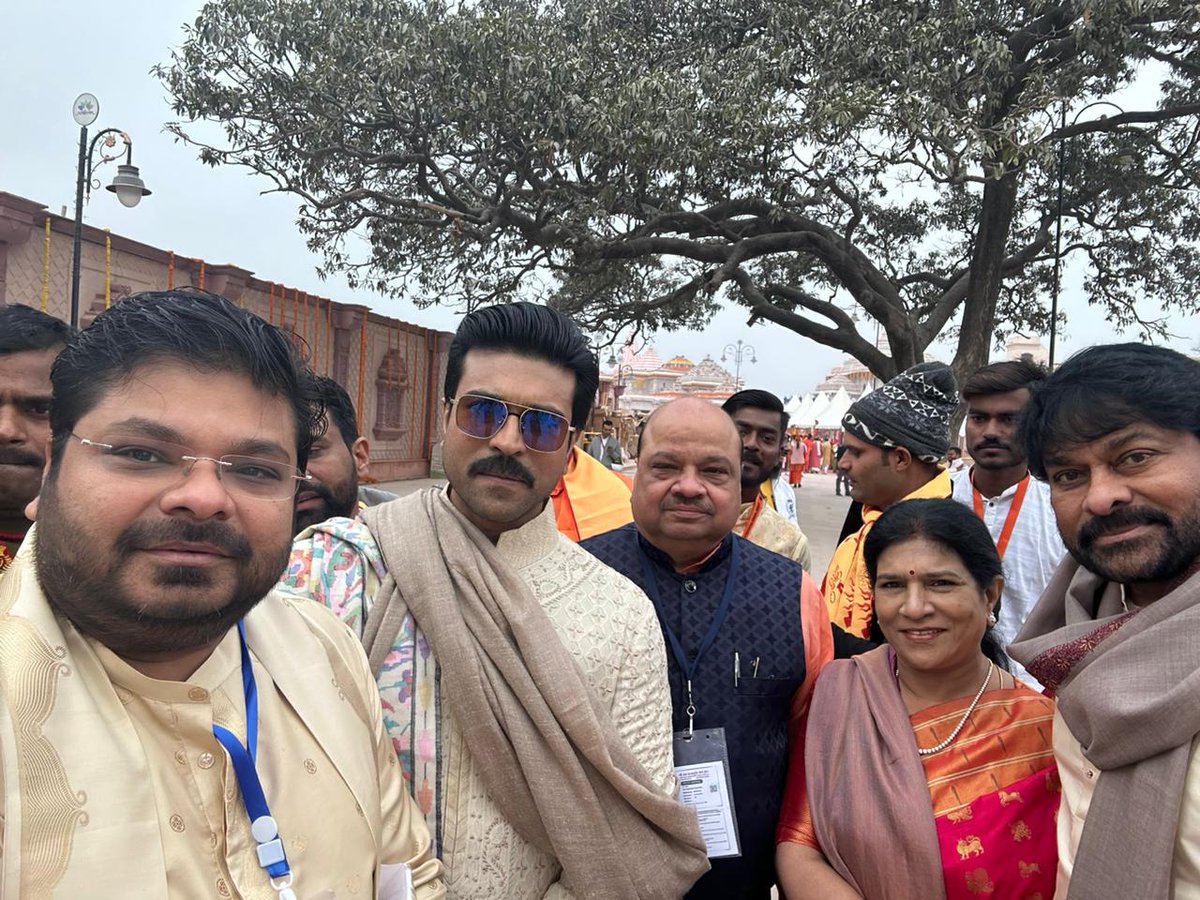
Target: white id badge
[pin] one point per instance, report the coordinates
(702, 767)
(395, 882)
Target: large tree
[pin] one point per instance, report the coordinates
(837, 167)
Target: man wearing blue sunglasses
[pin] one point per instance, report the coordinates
(524, 682)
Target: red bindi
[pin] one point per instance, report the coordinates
(912, 571)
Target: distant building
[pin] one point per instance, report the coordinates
(1021, 346)
(641, 382)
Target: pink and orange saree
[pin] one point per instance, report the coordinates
(976, 820)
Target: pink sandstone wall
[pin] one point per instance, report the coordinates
(395, 384)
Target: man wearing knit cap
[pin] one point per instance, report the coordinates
(894, 440)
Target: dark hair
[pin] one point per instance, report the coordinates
(23, 328)
(951, 525)
(195, 328)
(1104, 389)
(1002, 377)
(533, 331)
(338, 407)
(607, 422)
(755, 399)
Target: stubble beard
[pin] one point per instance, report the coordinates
(1153, 558)
(339, 502)
(92, 591)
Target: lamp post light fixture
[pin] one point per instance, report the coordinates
(126, 184)
(740, 352)
(622, 372)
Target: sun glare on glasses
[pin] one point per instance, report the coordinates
(482, 417)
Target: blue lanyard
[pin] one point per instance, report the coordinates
(689, 667)
(262, 826)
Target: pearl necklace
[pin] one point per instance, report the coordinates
(961, 722)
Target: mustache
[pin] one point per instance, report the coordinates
(503, 466)
(701, 504)
(144, 535)
(11, 456)
(1118, 520)
(321, 490)
(992, 445)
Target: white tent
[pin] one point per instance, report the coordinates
(799, 408)
(810, 416)
(831, 416)
(795, 404)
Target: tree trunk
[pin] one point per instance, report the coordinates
(986, 276)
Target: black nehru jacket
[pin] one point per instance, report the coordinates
(763, 623)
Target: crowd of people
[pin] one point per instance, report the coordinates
(230, 667)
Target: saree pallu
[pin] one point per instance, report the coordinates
(975, 820)
(994, 794)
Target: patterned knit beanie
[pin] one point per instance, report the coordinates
(912, 410)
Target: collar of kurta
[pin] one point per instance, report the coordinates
(706, 564)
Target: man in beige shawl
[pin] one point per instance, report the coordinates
(1115, 637)
(524, 683)
(165, 731)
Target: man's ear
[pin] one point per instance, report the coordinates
(361, 451)
(903, 457)
(31, 508)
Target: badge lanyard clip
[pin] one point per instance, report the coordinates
(691, 711)
(262, 826)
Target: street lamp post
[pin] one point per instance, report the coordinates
(740, 352)
(622, 370)
(126, 184)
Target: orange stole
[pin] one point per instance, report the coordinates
(590, 499)
(995, 792)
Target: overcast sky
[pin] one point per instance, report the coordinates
(55, 50)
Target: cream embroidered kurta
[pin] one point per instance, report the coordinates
(603, 620)
(773, 532)
(1079, 778)
(116, 788)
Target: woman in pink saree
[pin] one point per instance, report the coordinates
(926, 770)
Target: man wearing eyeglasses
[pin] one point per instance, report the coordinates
(167, 729)
(524, 682)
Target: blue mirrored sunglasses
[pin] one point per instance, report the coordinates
(482, 417)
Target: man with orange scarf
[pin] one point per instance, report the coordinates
(894, 438)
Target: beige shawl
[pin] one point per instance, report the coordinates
(551, 758)
(864, 777)
(1126, 685)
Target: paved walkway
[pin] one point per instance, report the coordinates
(820, 510)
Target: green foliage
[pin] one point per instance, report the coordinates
(640, 162)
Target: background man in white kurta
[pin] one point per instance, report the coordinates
(524, 683)
(1014, 506)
